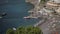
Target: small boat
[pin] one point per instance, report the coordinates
(27, 17)
(14, 28)
(4, 14)
(30, 17)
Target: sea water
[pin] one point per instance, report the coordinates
(16, 10)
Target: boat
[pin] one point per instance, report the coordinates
(1, 17)
(14, 28)
(27, 17)
(4, 14)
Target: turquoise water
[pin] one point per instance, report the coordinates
(16, 10)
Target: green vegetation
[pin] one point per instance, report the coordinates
(43, 0)
(25, 30)
(10, 31)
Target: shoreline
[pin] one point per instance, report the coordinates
(50, 21)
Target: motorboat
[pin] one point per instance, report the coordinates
(27, 17)
(3, 14)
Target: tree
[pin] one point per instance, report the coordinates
(25, 30)
(21, 30)
(43, 0)
(10, 31)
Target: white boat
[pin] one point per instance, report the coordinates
(28, 17)
(14, 28)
